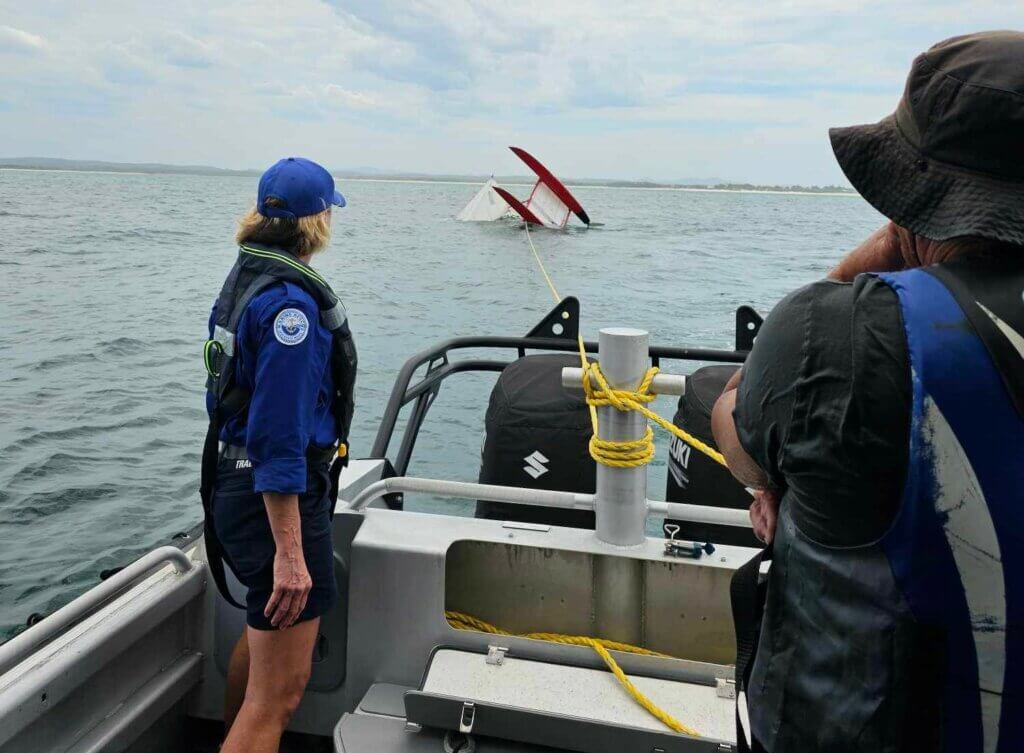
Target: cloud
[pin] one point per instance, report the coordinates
(660, 88)
(17, 40)
(184, 51)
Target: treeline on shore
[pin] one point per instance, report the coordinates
(51, 163)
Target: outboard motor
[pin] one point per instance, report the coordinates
(537, 437)
(694, 478)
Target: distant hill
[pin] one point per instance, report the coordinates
(371, 173)
(53, 163)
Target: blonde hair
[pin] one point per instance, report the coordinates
(301, 237)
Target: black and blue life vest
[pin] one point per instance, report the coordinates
(916, 642)
(257, 268)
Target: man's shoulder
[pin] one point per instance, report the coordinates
(831, 301)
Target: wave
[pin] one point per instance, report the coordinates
(43, 504)
(85, 431)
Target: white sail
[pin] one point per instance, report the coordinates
(549, 209)
(485, 206)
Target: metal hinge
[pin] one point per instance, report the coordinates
(467, 717)
(725, 688)
(496, 655)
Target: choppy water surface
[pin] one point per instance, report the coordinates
(106, 282)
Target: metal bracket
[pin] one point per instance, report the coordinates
(725, 688)
(467, 717)
(561, 323)
(496, 655)
(748, 324)
(684, 549)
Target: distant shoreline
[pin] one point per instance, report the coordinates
(781, 190)
(116, 168)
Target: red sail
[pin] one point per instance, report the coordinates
(517, 205)
(548, 179)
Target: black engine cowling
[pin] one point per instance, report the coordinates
(537, 437)
(696, 479)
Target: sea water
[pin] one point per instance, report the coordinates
(106, 283)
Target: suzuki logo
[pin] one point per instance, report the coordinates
(535, 464)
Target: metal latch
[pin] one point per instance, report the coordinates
(466, 717)
(725, 688)
(687, 549)
(496, 655)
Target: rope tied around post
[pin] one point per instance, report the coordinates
(630, 453)
(638, 452)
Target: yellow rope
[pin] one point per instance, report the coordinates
(626, 454)
(543, 271)
(621, 454)
(463, 621)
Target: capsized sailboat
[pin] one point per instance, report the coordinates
(485, 206)
(549, 204)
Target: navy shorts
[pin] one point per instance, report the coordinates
(240, 520)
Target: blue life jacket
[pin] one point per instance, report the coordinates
(916, 642)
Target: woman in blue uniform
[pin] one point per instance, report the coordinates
(281, 366)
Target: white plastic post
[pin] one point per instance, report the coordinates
(621, 497)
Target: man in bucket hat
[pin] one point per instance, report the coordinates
(881, 414)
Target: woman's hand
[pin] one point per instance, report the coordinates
(292, 583)
(764, 514)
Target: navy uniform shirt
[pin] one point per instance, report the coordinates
(283, 359)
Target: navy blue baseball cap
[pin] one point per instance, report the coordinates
(302, 185)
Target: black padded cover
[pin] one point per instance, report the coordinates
(696, 479)
(537, 437)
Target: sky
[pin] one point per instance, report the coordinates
(738, 90)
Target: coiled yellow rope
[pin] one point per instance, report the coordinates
(631, 453)
(463, 621)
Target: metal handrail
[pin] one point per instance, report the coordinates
(402, 393)
(18, 648)
(703, 514)
(465, 490)
(540, 497)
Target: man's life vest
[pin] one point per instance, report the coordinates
(914, 642)
(257, 268)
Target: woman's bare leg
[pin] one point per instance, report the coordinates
(279, 666)
(238, 677)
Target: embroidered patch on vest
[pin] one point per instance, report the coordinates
(291, 327)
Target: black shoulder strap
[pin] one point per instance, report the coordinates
(283, 266)
(991, 294)
(259, 283)
(207, 484)
(229, 398)
(747, 594)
